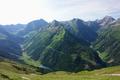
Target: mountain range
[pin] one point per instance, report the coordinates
(72, 45)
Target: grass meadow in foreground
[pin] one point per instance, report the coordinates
(9, 71)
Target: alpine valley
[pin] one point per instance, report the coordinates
(61, 50)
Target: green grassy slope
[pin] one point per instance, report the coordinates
(13, 71)
(10, 70)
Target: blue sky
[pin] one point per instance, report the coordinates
(23, 11)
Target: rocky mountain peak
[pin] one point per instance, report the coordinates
(55, 23)
(108, 18)
(106, 21)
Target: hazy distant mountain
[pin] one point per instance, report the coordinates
(33, 26)
(8, 47)
(14, 29)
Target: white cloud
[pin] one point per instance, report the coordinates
(23, 11)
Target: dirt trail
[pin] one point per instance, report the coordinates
(113, 74)
(26, 78)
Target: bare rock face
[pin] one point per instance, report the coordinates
(106, 21)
